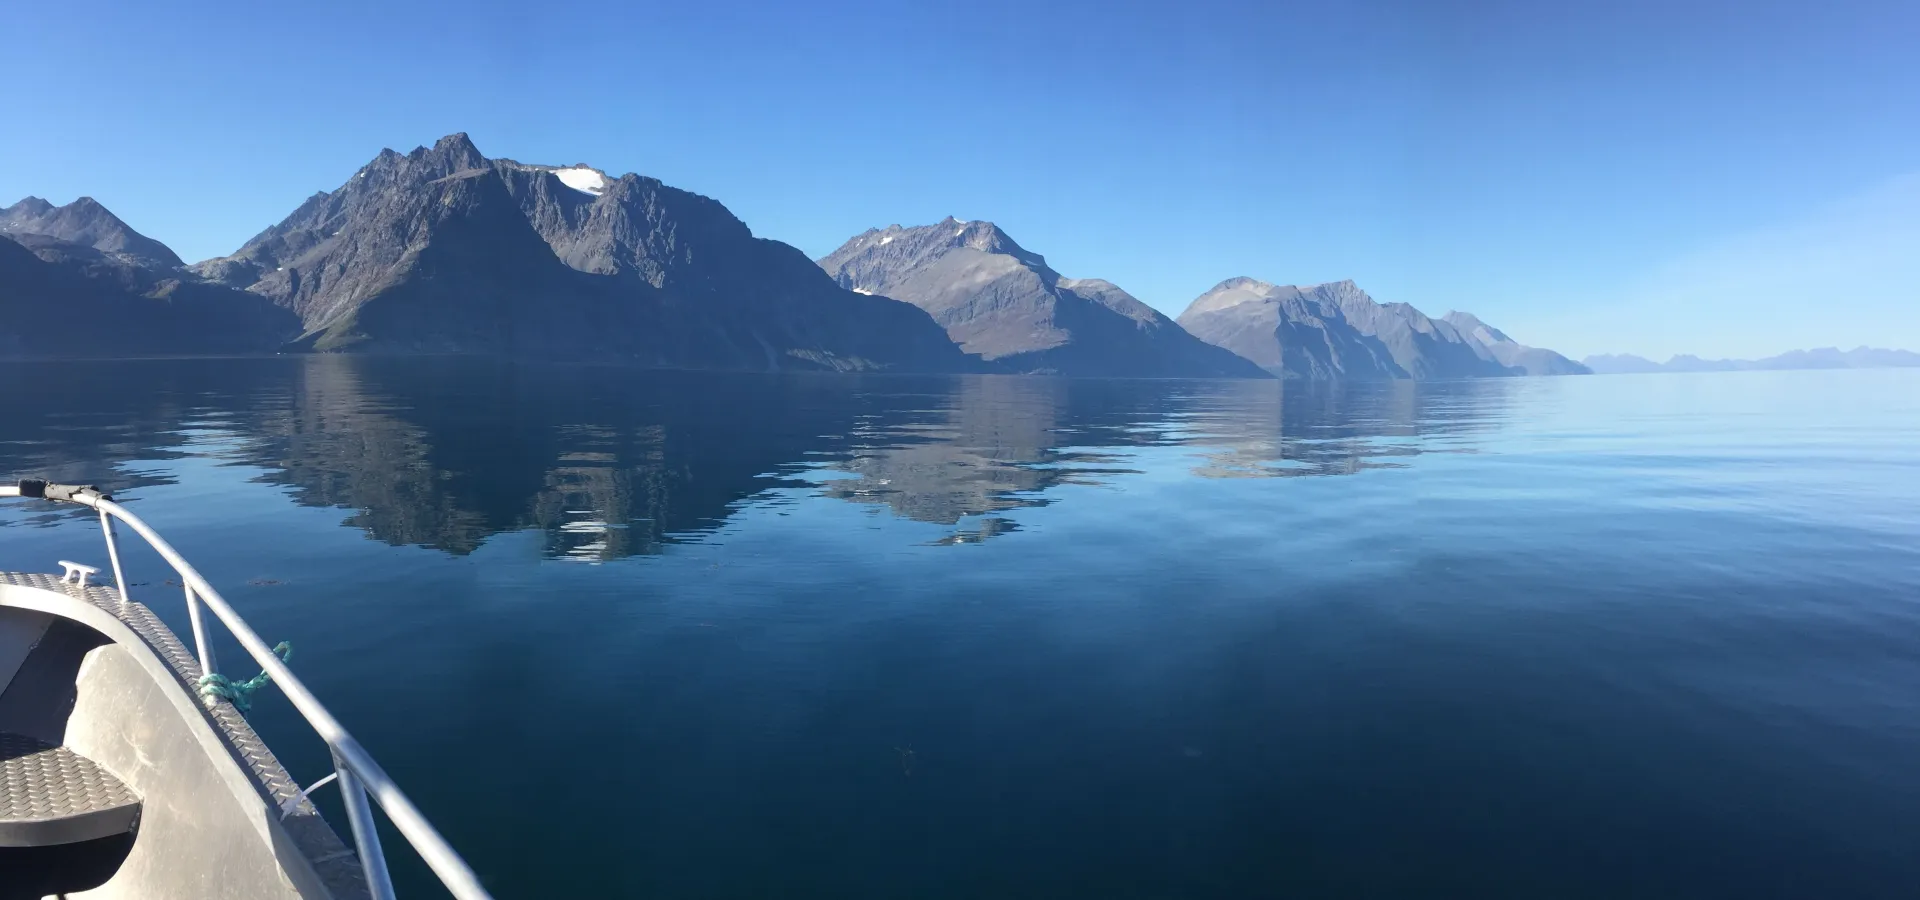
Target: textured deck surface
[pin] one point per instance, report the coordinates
(336, 865)
(44, 789)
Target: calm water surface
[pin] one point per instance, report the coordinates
(680, 635)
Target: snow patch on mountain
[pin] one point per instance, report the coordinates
(582, 179)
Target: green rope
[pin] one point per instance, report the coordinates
(215, 687)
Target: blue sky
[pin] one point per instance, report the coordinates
(1718, 178)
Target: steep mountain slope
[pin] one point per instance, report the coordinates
(1289, 331)
(1335, 330)
(443, 249)
(1423, 347)
(87, 223)
(1003, 302)
(62, 299)
(1511, 353)
(750, 294)
(1331, 330)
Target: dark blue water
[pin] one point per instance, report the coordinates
(684, 635)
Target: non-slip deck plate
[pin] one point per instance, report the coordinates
(52, 795)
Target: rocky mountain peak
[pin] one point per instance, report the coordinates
(1230, 293)
(455, 152)
(28, 205)
(987, 237)
(1242, 282)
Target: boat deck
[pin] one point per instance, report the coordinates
(36, 780)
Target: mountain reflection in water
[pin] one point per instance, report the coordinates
(612, 462)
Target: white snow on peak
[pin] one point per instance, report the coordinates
(584, 180)
(887, 240)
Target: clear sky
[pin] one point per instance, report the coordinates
(1722, 178)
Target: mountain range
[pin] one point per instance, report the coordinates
(1335, 330)
(1820, 358)
(444, 250)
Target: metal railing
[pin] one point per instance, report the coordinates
(359, 776)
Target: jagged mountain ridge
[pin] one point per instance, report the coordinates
(1004, 303)
(1335, 330)
(86, 223)
(444, 249)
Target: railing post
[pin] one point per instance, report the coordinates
(366, 837)
(113, 555)
(201, 646)
(363, 784)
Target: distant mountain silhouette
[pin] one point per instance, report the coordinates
(1002, 302)
(1820, 358)
(1334, 330)
(87, 223)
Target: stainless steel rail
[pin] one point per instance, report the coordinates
(359, 776)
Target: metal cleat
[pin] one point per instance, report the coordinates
(76, 573)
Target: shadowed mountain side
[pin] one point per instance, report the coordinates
(61, 299)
